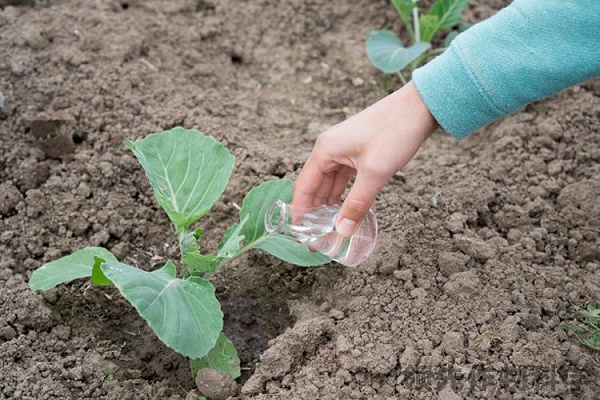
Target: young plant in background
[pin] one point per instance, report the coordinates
(586, 325)
(188, 172)
(387, 52)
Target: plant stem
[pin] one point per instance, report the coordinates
(435, 52)
(415, 15)
(419, 61)
(402, 78)
(241, 251)
(180, 236)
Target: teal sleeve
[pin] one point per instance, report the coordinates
(525, 52)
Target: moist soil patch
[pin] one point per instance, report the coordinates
(484, 245)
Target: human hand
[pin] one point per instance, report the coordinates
(372, 146)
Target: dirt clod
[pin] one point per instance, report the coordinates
(215, 385)
(9, 198)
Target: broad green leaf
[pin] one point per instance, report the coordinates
(404, 9)
(428, 26)
(184, 313)
(257, 201)
(168, 270)
(187, 170)
(223, 357)
(448, 12)
(77, 265)
(98, 277)
(388, 53)
(232, 239)
(284, 247)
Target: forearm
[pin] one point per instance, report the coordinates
(527, 51)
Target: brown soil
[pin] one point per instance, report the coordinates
(463, 299)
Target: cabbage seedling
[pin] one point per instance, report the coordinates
(188, 172)
(387, 52)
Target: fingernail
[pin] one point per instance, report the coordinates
(345, 227)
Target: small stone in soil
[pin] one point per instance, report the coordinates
(215, 385)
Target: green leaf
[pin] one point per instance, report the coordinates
(591, 313)
(232, 239)
(404, 9)
(98, 277)
(575, 328)
(388, 53)
(187, 170)
(198, 232)
(184, 313)
(201, 264)
(284, 247)
(448, 12)
(428, 26)
(257, 201)
(223, 357)
(77, 265)
(593, 341)
(189, 243)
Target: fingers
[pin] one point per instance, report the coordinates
(360, 198)
(307, 184)
(323, 178)
(338, 187)
(329, 191)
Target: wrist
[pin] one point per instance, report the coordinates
(416, 116)
(404, 123)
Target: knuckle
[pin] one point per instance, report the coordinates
(323, 139)
(330, 136)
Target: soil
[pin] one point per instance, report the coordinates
(484, 245)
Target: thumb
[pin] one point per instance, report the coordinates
(357, 203)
